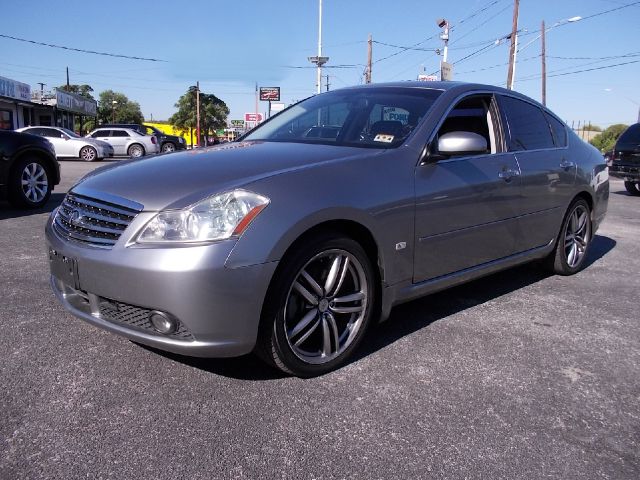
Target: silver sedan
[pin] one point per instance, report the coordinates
(291, 245)
(68, 144)
(127, 141)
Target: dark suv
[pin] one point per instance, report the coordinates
(626, 159)
(168, 143)
(28, 169)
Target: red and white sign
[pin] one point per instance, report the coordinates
(427, 78)
(253, 117)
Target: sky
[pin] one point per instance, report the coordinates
(229, 47)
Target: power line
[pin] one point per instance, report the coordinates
(581, 71)
(481, 25)
(80, 49)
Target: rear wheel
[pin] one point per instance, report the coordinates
(88, 154)
(318, 308)
(572, 245)
(633, 188)
(135, 151)
(29, 184)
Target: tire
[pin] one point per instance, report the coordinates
(88, 154)
(318, 307)
(135, 151)
(572, 245)
(29, 185)
(633, 188)
(168, 147)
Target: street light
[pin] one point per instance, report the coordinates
(557, 24)
(113, 110)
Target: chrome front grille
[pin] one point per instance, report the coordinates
(91, 221)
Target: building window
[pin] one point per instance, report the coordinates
(6, 120)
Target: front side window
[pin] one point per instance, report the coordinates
(119, 133)
(528, 127)
(100, 133)
(472, 115)
(369, 117)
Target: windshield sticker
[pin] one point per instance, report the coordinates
(383, 137)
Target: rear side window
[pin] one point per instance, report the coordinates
(528, 126)
(559, 131)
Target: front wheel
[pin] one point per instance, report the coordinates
(168, 147)
(633, 188)
(319, 307)
(29, 185)
(88, 154)
(574, 240)
(136, 151)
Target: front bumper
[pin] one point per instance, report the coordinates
(218, 307)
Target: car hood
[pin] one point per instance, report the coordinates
(180, 179)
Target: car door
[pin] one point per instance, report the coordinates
(547, 172)
(105, 136)
(466, 205)
(54, 136)
(120, 140)
(62, 143)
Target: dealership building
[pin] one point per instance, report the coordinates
(19, 107)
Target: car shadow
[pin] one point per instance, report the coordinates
(405, 319)
(8, 211)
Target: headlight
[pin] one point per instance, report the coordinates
(214, 218)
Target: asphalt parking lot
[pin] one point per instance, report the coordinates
(518, 375)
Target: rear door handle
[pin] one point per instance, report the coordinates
(508, 173)
(566, 164)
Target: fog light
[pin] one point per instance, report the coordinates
(163, 323)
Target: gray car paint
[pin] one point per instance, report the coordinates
(391, 196)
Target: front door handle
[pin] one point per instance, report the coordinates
(508, 173)
(566, 164)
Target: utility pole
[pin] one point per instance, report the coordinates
(327, 83)
(367, 75)
(67, 89)
(514, 45)
(544, 68)
(319, 60)
(198, 113)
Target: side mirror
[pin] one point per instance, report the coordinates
(461, 143)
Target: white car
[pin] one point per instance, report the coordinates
(71, 145)
(126, 141)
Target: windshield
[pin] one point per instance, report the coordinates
(364, 117)
(70, 133)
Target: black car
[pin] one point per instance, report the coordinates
(626, 159)
(168, 143)
(28, 169)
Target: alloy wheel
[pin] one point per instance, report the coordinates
(136, 151)
(577, 236)
(34, 182)
(168, 147)
(326, 306)
(87, 154)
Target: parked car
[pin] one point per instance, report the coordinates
(126, 141)
(291, 245)
(70, 144)
(28, 169)
(625, 163)
(168, 143)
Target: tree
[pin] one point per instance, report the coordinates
(213, 113)
(591, 128)
(116, 106)
(606, 140)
